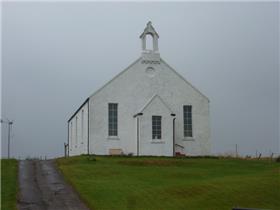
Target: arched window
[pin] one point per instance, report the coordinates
(149, 38)
(149, 42)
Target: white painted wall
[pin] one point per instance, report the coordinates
(78, 132)
(156, 147)
(132, 89)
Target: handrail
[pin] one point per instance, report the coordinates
(179, 145)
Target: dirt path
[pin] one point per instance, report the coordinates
(41, 187)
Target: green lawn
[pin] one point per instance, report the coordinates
(173, 183)
(8, 184)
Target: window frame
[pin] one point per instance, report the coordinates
(76, 129)
(82, 124)
(187, 121)
(71, 133)
(112, 120)
(156, 127)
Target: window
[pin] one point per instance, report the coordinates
(156, 127)
(76, 130)
(82, 124)
(113, 119)
(149, 42)
(188, 121)
(71, 133)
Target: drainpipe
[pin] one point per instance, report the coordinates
(173, 115)
(136, 115)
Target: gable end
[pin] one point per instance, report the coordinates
(115, 77)
(185, 80)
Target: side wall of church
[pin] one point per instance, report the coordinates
(78, 132)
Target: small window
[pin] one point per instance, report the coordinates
(156, 127)
(76, 130)
(188, 121)
(82, 124)
(71, 133)
(113, 119)
(149, 42)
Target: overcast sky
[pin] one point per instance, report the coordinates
(54, 55)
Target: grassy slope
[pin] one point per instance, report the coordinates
(8, 184)
(167, 183)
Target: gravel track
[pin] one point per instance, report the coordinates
(42, 187)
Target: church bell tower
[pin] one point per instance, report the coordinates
(150, 55)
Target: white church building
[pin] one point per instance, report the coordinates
(147, 109)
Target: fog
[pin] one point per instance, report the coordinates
(54, 55)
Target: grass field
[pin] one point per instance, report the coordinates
(172, 183)
(8, 184)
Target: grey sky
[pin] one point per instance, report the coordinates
(54, 55)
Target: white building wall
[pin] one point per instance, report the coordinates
(131, 90)
(78, 132)
(156, 147)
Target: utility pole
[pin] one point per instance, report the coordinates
(9, 138)
(236, 153)
(10, 123)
